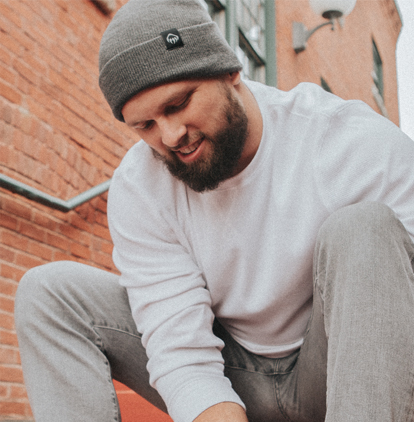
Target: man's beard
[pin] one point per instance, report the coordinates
(226, 149)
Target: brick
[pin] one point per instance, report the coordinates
(14, 240)
(8, 13)
(80, 251)
(23, 85)
(10, 93)
(9, 355)
(6, 321)
(4, 391)
(41, 251)
(102, 232)
(10, 44)
(6, 304)
(79, 222)
(60, 256)
(103, 260)
(24, 70)
(7, 132)
(5, 57)
(34, 63)
(32, 231)
(27, 261)
(26, 14)
(8, 338)
(101, 202)
(18, 392)
(7, 287)
(4, 151)
(107, 247)
(6, 112)
(58, 241)
(11, 272)
(7, 75)
(7, 254)
(15, 207)
(12, 408)
(45, 220)
(7, 220)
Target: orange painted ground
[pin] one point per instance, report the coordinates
(134, 407)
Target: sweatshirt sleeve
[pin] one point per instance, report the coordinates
(365, 157)
(169, 300)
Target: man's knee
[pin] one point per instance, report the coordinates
(358, 220)
(41, 287)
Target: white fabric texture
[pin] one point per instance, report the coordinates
(243, 252)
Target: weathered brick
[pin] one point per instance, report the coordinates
(10, 271)
(28, 261)
(30, 230)
(7, 254)
(12, 408)
(10, 93)
(58, 241)
(8, 13)
(15, 206)
(18, 392)
(80, 251)
(6, 303)
(4, 391)
(6, 321)
(14, 240)
(8, 338)
(41, 251)
(7, 220)
(7, 286)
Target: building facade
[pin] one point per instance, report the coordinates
(58, 136)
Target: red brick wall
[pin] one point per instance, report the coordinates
(343, 57)
(58, 135)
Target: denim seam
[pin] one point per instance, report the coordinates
(258, 372)
(278, 398)
(117, 329)
(100, 344)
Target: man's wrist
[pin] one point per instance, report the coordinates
(223, 412)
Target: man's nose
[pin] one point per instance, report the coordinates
(172, 131)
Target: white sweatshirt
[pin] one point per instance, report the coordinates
(243, 252)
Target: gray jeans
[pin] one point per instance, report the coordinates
(76, 332)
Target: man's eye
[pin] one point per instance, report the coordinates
(145, 126)
(177, 107)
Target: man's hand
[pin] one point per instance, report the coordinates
(223, 412)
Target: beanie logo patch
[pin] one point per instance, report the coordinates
(172, 39)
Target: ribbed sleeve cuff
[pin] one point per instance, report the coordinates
(188, 402)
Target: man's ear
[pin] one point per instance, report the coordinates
(235, 78)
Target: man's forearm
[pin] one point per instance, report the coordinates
(223, 412)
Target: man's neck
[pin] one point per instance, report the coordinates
(255, 127)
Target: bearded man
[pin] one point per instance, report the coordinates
(264, 241)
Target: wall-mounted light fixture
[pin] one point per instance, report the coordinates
(330, 10)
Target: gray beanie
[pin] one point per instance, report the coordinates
(151, 42)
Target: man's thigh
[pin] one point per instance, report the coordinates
(75, 327)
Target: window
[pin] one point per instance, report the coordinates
(244, 24)
(216, 9)
(250, 17)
